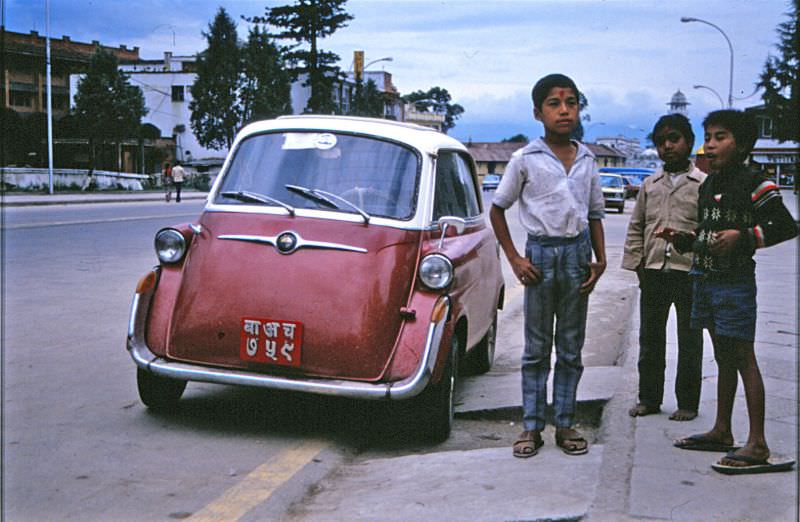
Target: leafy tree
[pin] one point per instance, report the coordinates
(108, 109)
(307, 21)
(436, 100)
(516, 138)
(266, 88)
(780, 81)
(216, 111)
(368, 100)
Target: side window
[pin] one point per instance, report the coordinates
(467, 181)
(450, 198)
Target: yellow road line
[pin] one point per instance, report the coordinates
(259, 484)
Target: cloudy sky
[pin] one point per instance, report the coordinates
(628, 56)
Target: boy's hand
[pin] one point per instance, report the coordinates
(596, 269)
(680, 239)
(670, 235)
(526, 272)
(723, 242)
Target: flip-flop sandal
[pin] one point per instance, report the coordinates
(700, 442)
(570, 449)
(527, 445)
(753, 465)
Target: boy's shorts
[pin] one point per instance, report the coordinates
(726, 307)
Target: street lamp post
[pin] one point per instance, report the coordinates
(722, 103)
(686, 19)
(385, 59)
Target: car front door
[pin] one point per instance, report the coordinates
(473, 253)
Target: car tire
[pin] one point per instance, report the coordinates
(158, 393)
(483, 353)
(621, 208)
(436, 405)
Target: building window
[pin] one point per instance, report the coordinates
(21, 99)
(177, 93)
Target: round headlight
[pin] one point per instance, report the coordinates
(436, 271)
(170, 245)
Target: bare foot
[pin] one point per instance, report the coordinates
(640, 410)
(709, 441)
(683, 415)
(748, 450)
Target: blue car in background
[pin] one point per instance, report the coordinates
(491, 181)
(632, 176)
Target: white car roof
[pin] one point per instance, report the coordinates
(423, 138)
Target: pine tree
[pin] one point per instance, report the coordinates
(780, 81)
(108, 109)
(368, 100)
(266, 88)
(306, 22)
(216, 110)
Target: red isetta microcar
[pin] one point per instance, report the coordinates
(338, 256)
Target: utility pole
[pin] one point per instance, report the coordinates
(49, 101)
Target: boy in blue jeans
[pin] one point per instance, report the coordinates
(739, 211)
(561, 207)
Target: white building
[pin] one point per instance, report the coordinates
(678, 104)
(166, 85)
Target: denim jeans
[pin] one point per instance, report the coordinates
(564, 263)
(661, 290)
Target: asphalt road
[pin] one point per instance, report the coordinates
(78, 444)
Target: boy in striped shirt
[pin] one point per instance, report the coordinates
(738, 212)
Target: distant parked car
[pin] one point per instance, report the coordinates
(491, 181)
(631, 176)
(335, 256)
(613, 191)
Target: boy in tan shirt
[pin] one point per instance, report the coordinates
(667, 199)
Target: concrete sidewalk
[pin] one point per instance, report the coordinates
(25, 199)
(632, 471)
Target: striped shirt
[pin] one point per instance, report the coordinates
(741, 200)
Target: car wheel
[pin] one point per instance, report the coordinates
(621, 208)
(156, 392)
(436, 405)
(483, 353)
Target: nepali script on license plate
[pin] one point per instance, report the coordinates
(271, 341)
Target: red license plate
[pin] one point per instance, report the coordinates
(272, 341)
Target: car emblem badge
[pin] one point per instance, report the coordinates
(286, 242)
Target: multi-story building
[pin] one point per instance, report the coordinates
(777, 159)
(165, 84)
(25, 72)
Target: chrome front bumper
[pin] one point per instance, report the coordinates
(405, 389)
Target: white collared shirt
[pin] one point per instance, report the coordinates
(552, 201)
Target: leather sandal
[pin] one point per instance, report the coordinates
(528, 444)
(573, 443)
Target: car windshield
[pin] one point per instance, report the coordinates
(611, 181)
(378, 177)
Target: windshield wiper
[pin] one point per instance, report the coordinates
(252, 197)
(327, 198)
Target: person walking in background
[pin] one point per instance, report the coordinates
(561, 207)
(166, 181)
(667, 198)
(739, 211)
(178, 176)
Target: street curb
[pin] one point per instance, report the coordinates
(617, 434)
(90, 200)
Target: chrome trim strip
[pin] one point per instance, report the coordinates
(405, 389)
(301, 243)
